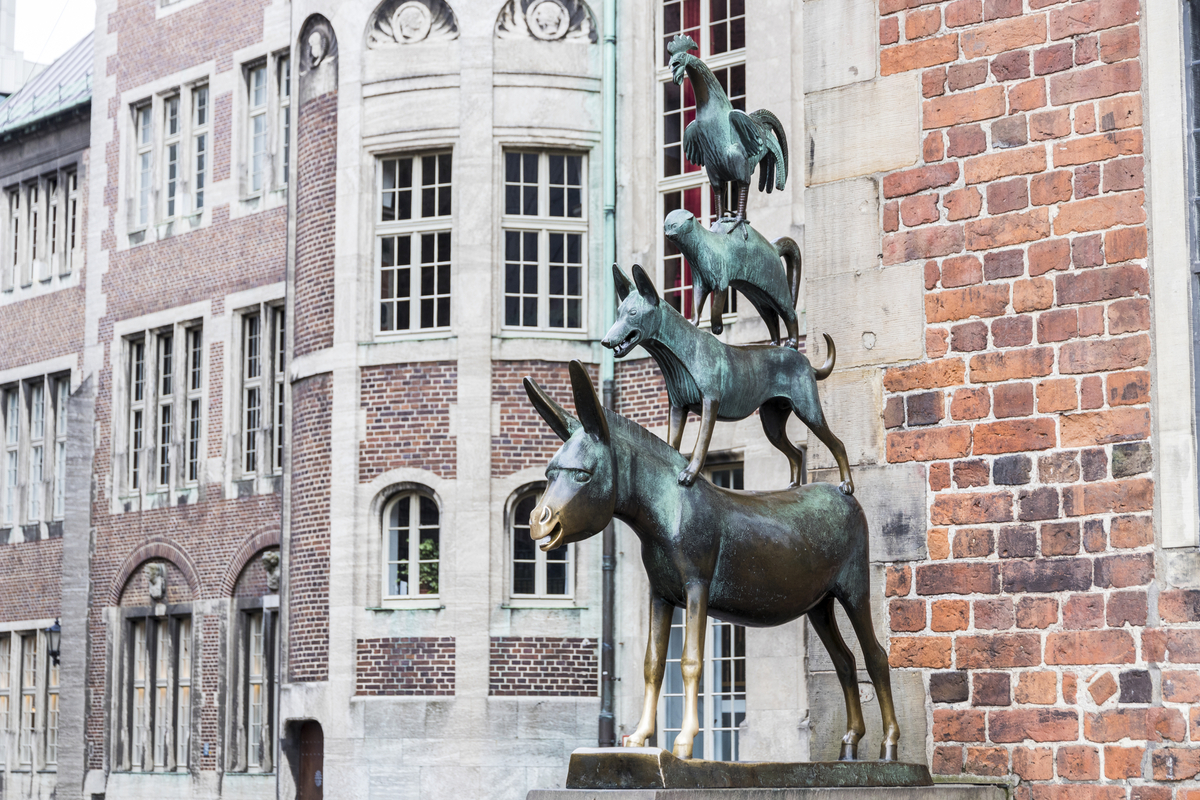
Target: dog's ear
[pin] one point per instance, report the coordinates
(587, 403)
(624, 285)
(644, 286)
(557, 417)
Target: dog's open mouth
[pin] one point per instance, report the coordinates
(623, 347)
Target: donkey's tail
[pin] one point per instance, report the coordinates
(823, 373)
(789, 251)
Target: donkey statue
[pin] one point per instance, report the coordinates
(752, 558)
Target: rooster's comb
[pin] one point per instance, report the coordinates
(681, 44)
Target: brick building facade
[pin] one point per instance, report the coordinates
(274, 462)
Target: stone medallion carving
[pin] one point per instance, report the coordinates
(156, 581)
(546, 20)
(411, 21)
(270, 562)
(318, 44)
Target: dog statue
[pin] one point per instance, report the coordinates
(750, 265)
(722, 382)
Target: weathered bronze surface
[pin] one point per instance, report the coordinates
(728, 143)
(722, 382)
(748, 263)
(751, 558)
(655, 768)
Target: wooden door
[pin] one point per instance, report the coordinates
(312, 761)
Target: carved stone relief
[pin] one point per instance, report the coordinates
(270, 562)
(546, 20)
(156, 581)
(317, 43)
(411, 21)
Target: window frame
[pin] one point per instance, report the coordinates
(199, 161)
(28, 497)
(138, 722)
(271, 383)
(514, 528)
(275, 136)
(414, 595)
(544, 225)
(245, 611)
(415, 227)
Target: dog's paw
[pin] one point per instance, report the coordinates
(687, 478)
(846, 487)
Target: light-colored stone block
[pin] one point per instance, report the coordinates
(828, 710)
(839, 43)
(852, 401)
(875, 316)
(818, 656)
(842, 233)
(862, 128)
(895, 500)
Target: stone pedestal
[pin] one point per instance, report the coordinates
(945, 791)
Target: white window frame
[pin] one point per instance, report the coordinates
(1173, 361)
(6, 682)
(173, 157)
(254, 713)
(412, 558)
(10, 502)
(283, 93)
(542, 225)
(417, 226)
(62, 396)
(71, 235)
(266, 125)
(166, 156)
(265, 437)
(154, 721)
(35, 475)
(27, 713)
(32, 470)
(142, 180)
(200, 155)
(518, 526)
(35, 201)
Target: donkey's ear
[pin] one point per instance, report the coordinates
(624, 285)
(644, 286)
(587, 403)
(557, 417)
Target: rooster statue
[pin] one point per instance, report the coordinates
(727, 142)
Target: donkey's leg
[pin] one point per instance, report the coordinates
(675, 425)
(656, 663)
(708, 420)
(692, 662)
(825, 625)
(858, 608)
(774, 416)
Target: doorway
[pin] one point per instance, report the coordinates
(312, 761)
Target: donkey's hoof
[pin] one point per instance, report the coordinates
(846, 487)
(849, 752)
(680, 751)
(889, 752)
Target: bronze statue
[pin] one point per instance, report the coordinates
(751, 558)
(722, 382)
(750, 265)
(728, 143)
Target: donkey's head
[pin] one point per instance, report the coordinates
(639, 315)
(582, 490)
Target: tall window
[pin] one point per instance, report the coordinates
(15, 231)
(536, 573)
(256, 78)
(411, 540)
(165, 372)
(413, 242)
(283, 71)
(52, 686)
(12, 453)
(37, 255)
(63, 394)
(34, 422)
(267, 123)
(200, 147)
(545, 232)
(27, 734)
(158, 692)
(37, 448)
(171, 154)
(144, 136)
(259, 645)
(5, 681)
(70, 224)
(262, 378)
(719, 27)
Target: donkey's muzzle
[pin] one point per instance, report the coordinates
(543, 523)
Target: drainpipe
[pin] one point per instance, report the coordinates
(607, 731)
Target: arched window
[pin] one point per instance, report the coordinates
(536, 573)
(411, 541)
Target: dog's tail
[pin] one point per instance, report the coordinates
(823, 373)
(789, 251)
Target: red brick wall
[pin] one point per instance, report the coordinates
(641, 392)
(413, 665)
(31, 582)
(525, 440)
(408, 418)
(543, 666)
(1035, 617)
(308, 561)
(316, 165)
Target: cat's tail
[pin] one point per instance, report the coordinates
(823, 373)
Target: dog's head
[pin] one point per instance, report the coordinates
(678, 224)
(638, 316)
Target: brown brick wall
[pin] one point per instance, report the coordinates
(1035, 618)
(308, 562)
(408, 418)
(316, 164)
(641, 392)
(543, 666)
(30, 580)
(412, 665)
(524, 439)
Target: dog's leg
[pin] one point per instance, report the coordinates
(708, 420)
(774, 417)
(839, 454)
(675, 425)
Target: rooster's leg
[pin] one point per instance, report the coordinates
(743, 193)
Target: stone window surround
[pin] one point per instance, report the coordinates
(1177, 498)
(374, 498)
(238, 737)
(535, 600)
(274, 190)
(266, 477)
(51, 369)
(14, 631)
(414, 492)
(25, 278)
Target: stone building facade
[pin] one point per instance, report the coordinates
(286, 460)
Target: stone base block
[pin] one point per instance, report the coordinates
(611, 768)
(946, 791)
